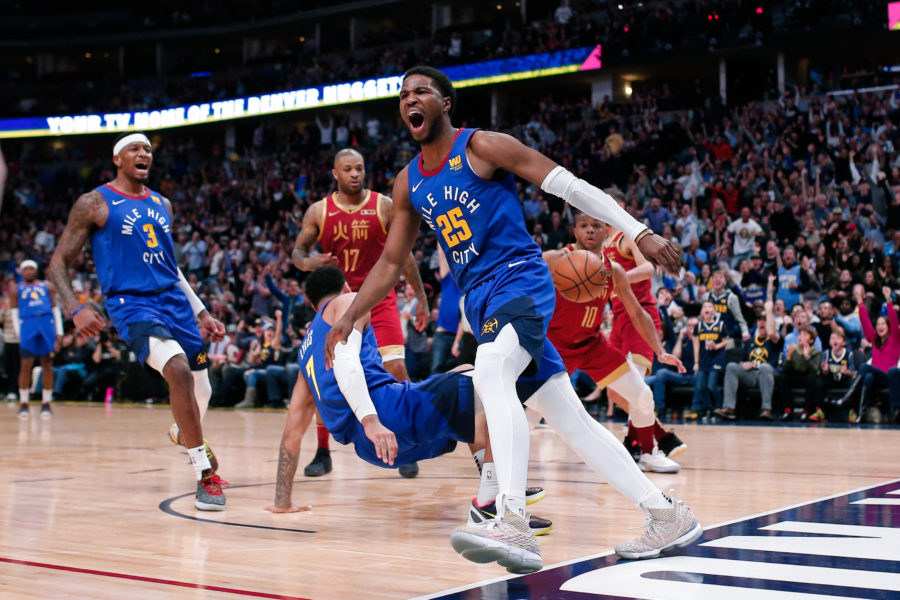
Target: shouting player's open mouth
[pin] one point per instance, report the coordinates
(141, 168)
(416, 120)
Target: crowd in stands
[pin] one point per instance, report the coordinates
(625, 29)
(788, 212)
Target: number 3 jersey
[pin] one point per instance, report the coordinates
(133, 251)
(479, 223)
(355, 236)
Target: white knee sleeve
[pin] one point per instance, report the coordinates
(557, 401)
(497, 366)
(202, 390)
(161, 352)
(635, 390)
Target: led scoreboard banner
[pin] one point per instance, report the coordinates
(496, 71)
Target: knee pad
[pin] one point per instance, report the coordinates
(202, 390)
(161, 352)
(640, 398)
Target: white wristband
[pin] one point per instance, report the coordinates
(351, 377)
(591, 200)
(58, 320)
(196, 303)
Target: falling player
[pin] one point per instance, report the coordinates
(351, 226)
(384, 419)
(462, 184)
(33, 302)
(148, 299)
(575, 332)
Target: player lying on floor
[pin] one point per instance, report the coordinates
(387, 422)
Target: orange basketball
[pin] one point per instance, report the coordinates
(579, 276)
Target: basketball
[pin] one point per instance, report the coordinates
(579, 276)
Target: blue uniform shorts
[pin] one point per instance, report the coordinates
(428, 418)
(523, 296)
(37, 336)
(166, 315)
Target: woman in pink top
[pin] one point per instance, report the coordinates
(885, 340)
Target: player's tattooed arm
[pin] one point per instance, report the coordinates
(300, 414)
(89, 211)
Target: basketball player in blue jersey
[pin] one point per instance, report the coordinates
(362, 403)
(462, 185)
(148, 299)
(32, 301)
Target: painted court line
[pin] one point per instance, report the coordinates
(196, 586)
(590, 557)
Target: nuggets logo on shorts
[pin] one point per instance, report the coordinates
(456, 163)
(201, 358)
(490, 326)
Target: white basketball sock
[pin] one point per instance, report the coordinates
(497, 366)
(46, 396)
(489, 487)
(557, 401)
(199, 460)
(478, 455)
(23, 395)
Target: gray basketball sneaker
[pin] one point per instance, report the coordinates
(209, 493)
(508, 541)
(666, 529)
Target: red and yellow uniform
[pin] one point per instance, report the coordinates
(625, 336)
(356, 236)
(574, 331)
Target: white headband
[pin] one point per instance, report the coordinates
(27, 263)
(130, 139)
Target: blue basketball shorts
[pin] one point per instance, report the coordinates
(428, 418)
(166, 315)
(522, 296)
(37, 336)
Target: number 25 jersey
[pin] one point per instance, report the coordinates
(479, 223)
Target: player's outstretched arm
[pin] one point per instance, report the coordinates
(411, 272)
(644, 268)
(642, 321)
(489, 151)
(386, 271)
(306, 240)
(300, 414)
(89, 211)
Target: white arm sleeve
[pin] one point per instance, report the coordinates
(58, 320)
(196, 303)
(350, 376)
(14, 314)
(591, 200)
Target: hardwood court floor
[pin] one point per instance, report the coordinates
(97, 503)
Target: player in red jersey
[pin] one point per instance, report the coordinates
(625, 337)
(351, 226)
(575, 332)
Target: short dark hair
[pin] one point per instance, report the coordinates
(443, 83)
(324, 281)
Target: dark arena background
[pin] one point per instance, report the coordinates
(761, 138)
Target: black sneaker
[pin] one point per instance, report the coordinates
(671, 445)
(46, 413)
(409, 471)
(633, 448)
(320, 465)
(480, 514)
(534, 494)
(24, 413)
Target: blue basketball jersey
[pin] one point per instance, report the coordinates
(133, 251)
(34, 299)
(336, 413)
(479, 223)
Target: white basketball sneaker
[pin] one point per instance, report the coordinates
(667, 528)
(508, 541)
(657, 462)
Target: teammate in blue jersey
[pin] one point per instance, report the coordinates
(38, 323)
(462, 186)
(148, 299)
(387, 421)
